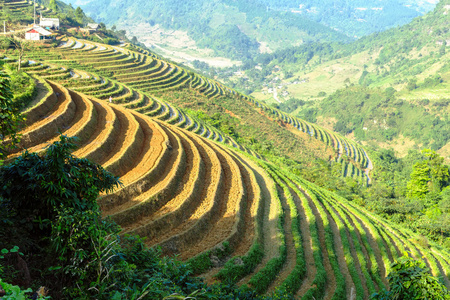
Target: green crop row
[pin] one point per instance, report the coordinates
(262, 279)
(319, 282)
(293, 281)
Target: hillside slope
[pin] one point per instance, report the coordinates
(233, 216)
(142, 81)
(403, 70)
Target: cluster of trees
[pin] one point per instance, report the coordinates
(413, 191)
(111, 36)
(411, 279)
(10, 116)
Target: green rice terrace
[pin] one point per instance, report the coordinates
(195, 190)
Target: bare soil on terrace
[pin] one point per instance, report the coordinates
(271, 241)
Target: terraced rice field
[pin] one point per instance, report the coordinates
(132, 77)
(231, 215)
(18, 8)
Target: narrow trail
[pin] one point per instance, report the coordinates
(331, 280)
(289, 240)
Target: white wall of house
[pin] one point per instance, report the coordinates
(32, 36)
(49, 22)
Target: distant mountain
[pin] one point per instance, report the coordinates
(236, 29)
(357, 17)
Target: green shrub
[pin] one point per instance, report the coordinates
(411, 279)
(14, 292)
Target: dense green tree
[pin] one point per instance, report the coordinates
(10, 117)
(428, 175)
(79, 15)
(53, 5)
(37, 187)
(418, 185)
(439, 172)
(411, 279)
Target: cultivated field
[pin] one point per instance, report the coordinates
(196, 192)
(233, 216)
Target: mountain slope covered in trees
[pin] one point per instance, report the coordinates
(231, 28)
(235, 29)
(389, 86)
(356, 18)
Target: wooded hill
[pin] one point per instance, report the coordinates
(232, 29)
(402, 72)
(356, 18)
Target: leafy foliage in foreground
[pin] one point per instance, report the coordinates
(10, 118)
(48, 210)
(411, 279)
